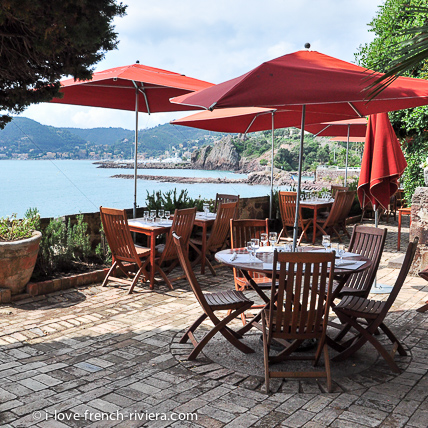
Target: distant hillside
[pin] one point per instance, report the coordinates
(24, 135)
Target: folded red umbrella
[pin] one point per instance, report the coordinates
(383, 162)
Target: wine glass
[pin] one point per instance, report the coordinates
(326, 242)
(273, 236)
(146, 216)
(263, 239)
(152, 215)
(256, 245)
(161, 213)
(167, 215)
(340, 251)
(250, 249)
(206, 208)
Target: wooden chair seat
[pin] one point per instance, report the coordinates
(226, 300)
(361, 307)
(367, 316)
(233, 301)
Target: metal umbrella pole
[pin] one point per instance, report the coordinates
(347, 152)
(134, 211)
(379, 288)
(299, 180)
(272, 166)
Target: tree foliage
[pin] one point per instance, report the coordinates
(43, 40)
(396, 23)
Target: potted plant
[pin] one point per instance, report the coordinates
(19, 246)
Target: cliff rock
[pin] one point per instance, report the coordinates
(222, 156)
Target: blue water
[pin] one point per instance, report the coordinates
(62, 187)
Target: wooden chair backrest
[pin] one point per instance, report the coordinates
(340, 208)
(221, 227)
(303, 293)
(221, 198)
(182, 254)
(182, 225)
(287, 207)
(369, 242)
(243, 231)
(405, 267)
(335, 189)
(118, 235)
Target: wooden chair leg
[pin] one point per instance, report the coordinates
(265, 353)
(192, 328)
(423, 308)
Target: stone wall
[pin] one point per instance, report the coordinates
(419, 227)
(335, 176)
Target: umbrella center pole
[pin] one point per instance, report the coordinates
(299, 181)
(347, 153)
(272, 167)
(134, 211)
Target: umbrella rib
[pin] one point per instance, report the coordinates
(142, 90)
(355, 109)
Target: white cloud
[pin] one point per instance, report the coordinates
(216, 41)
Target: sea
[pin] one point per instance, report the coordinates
(62, 187)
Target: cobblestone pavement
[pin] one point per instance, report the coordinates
(72, 357)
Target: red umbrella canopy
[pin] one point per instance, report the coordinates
(383, 162)
(115, 88)
(249, 119)
(356, 127)
(322, 83)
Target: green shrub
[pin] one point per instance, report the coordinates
(263, 162)
(171, 201)
(62, 245)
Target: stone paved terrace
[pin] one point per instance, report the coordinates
(90, 352)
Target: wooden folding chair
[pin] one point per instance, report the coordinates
(287, 209)
(366, 316)
(218, 236)
(423, 274)
(231, 300)
(123, 249)
(339, 211)
(221, 198)
(182, 224)
(297, 311)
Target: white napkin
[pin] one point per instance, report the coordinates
(137, 222)
(240, 258)
(267, 249)
(164, 223)
(349, 265)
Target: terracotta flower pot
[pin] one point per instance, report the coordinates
(17, 260)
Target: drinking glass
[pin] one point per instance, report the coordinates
(273, 236)
(326, 242)
(146, 216)
(250, 249)
(256, 245)
(206, 208)
(152, 215)
(340, 252)
(161, 213)
(167, 215)
(263, 239)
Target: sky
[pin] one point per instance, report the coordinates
(217, 41)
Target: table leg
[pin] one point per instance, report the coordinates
(315, 224)
(204, 247)
(399, 231)
(152, 261)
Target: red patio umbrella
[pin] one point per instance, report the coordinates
(135, 87)
(383, 163)
(310, 82)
